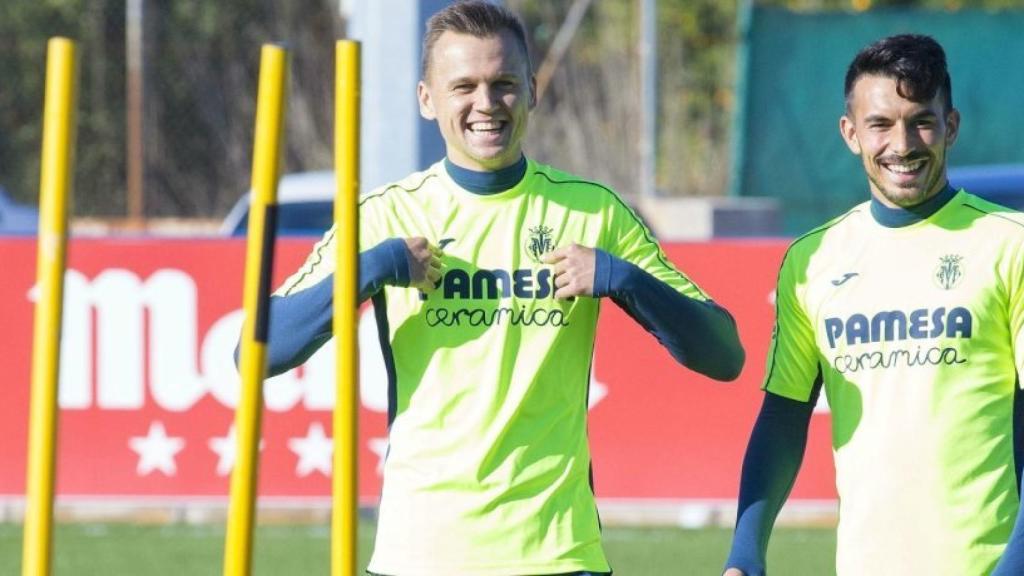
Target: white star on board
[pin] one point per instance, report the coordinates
(314, 451)
(225, 447)
(379, 446)
(156, 450)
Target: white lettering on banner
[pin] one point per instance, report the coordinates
(120, 300)
(174, 377)
(116, 297)
(117, 300)
(315, 389)
(181, 373)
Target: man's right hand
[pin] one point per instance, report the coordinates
(734, 572)
(424, 264)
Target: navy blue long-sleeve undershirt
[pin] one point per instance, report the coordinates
(300, 323)
(770, 466)
(1012, 562)
(693, 331)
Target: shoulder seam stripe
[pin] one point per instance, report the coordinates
(324, 243)
(993, 214)
(637, 219)
(312, 265)
(399, 187)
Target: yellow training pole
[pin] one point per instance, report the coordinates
(54, 191)
(266, 171)
(344, 527)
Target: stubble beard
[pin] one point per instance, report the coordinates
(911, 194)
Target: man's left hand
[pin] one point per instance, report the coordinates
(574, 270)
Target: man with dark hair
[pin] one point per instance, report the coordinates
(909, 311)
(485, 272)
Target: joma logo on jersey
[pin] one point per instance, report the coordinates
(539, 242)
(893, 325)
(494, 284)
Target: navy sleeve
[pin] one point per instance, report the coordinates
(774, 454)
(300, 322)
(1012, 562)
(385, 263)
(701, 335)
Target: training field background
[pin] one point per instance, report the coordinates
(197, 550)
(148, 387)
(148, 392)
(745, 156)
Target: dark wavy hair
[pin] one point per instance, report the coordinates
(475, 18)
(917, 63)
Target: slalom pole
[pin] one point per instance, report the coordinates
(344, 517)
(54, 192)
(266, 171)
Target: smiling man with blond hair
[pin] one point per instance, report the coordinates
(486, 273)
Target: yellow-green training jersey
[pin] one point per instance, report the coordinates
(488, 468)
(916, 333)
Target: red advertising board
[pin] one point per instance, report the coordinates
(148, 386)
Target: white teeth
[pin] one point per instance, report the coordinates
(485, 126)
(905, 168)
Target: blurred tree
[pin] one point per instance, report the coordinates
(202, 61)
(201, 75)
(202, 90)
(871, 4)
(98, 25)
(589, 119)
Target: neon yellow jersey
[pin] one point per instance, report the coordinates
(916, 332)
(488, 468)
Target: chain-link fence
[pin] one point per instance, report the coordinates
(169, 95)
(192, 98)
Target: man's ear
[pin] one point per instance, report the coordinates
(952, 127)
(426, 102)
(849, 132)
(533, 91)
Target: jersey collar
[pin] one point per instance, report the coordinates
(487, 183)
(900, 217)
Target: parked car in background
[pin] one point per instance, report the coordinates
(16, 218)
(305, 206)
(999, 183)
(306, 199)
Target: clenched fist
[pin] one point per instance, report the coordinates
(574, 270)
(424, 264)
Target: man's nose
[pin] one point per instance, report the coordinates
(904, 139)
(484, 98)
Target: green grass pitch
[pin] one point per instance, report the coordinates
(179, 549)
